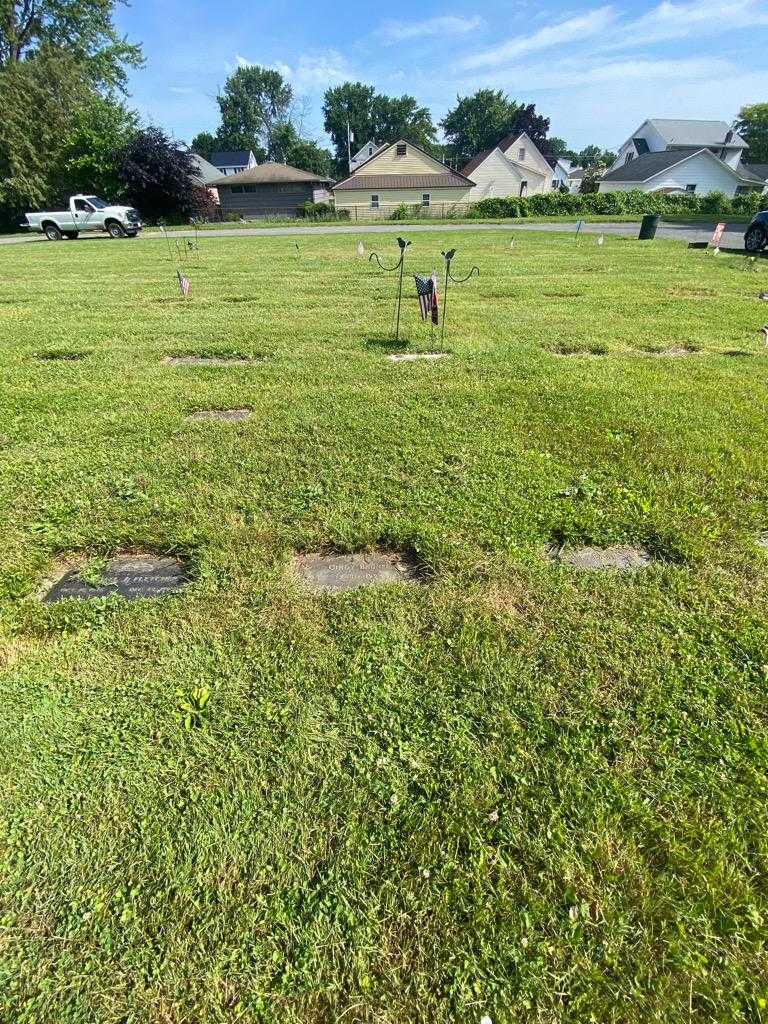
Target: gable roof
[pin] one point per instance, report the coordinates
(370, 182)
(760, 171)
(651, 164)
(505, 144)
(232, 158)
(685, 132)
(269, 174)
(206, 172)
(365, 180)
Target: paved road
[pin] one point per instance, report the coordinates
(732, 238)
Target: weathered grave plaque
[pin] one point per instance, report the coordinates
(61, 355)
(226, 415)
(674, 352)
(193, 360)
(337, 573)
(408, 357)
(128, 576)
(618, 556)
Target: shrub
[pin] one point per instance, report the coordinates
(611, 204)
(401, 212)
(315, 211)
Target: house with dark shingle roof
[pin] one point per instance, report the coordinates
(401, 173)
(233, 161)
(677, 155)
(513, 167)
(270, 190)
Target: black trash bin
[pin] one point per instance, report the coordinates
(648, 227)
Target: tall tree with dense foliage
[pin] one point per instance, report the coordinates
(593, 157)
(101, 128)
(373, 116)
(84, 29)
(253, 102)
(40, 100)
(290, 148)
(155, 173)
(476, 123)
(752, 125)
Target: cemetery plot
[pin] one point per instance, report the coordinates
(129, 576)
(336, 573)
(63, 355)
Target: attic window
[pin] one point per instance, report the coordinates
(521, 154)
(402, 149)
(370, 151)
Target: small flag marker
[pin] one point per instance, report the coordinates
(183, 284)
(600, 239)
(360, 249)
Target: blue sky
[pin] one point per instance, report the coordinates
(596, 70)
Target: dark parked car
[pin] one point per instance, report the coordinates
(756, 235)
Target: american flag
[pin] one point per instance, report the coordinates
(426, 289)
(183, 283)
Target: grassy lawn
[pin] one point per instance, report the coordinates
(518, 789)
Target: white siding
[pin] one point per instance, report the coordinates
(495, 177)
(706, 173)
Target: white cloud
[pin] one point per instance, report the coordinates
(670, 21)
(181, 90)
(572, 30)
(310, 71)
(448, 25)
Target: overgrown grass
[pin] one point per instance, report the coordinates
(515, 790)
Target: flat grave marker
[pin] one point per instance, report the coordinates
(223, 360)
(336, 573)
(131, 577)
(592, 558)
(409, 357)
(225, 415)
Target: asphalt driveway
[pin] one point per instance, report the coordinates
(733, 237)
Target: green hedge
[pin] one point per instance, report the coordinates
(552, 204)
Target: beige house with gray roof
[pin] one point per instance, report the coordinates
(401, 173)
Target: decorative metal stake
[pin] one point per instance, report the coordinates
(448, 256)
(390, 270)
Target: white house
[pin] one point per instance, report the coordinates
(233, 161)
(513, 167)
(671, 155)
(364, 153)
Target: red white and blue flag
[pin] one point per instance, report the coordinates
(183, 283)
(426, 289)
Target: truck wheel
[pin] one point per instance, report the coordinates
(72, 235)
(115, 230)
(52, 233)
(754, 240)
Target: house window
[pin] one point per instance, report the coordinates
(370, 151)
(521, 155)
(690, 188)
(374, 202)
(630, 156)
(523, 187)
(237, 190)
(402, 149)
(555, 183)
(425, 198)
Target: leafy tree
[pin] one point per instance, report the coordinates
(40, 100)
(478, 122)
(83, 28)
(593, 156)
(752, 125)
(155, 173)
(559, 147)
(101, 128)
(372, 115)
(591, 180)
(400, 117)
(305, 154)
(536, 125)
(254, 101)
(350, 102)
(204, 144)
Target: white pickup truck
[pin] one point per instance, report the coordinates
(86, 213)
